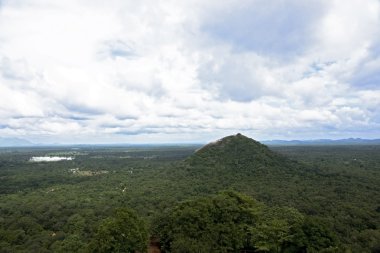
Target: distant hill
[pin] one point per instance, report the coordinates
(234, 150)
(14, 142)
(349, 141)
(243, 164)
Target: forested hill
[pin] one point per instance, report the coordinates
(238, 163)
(242, 164)
(245, 165)
(234, 150)
(239, 159)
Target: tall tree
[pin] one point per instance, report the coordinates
(124, 232)
(212, 224)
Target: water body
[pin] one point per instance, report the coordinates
(49, 158)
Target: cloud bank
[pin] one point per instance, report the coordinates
(163, 71)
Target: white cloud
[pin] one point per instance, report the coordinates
(348, 28)
(90, 71)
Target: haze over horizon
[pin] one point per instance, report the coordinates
(190, 71)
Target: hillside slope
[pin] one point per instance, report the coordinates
(239, 156)
(234, 150)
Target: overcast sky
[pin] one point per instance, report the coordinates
(127, 71)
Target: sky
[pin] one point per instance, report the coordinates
(154, 71)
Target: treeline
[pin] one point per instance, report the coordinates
(233, 222)
(226, 222)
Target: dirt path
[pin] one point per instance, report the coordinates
(154, 246)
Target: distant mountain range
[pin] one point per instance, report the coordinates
(349, 141)
(19, 142)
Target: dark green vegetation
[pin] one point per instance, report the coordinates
(294, 199)
(232, 222)
(123, 232)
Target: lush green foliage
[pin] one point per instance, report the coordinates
(124, 232)
(211, 224)
(231, 222)
(234, 151)
(44, 207)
